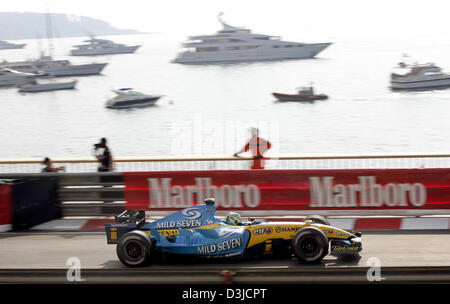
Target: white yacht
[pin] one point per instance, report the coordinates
(35, 87)
(232, 44)
(57, 68)
(4, 45)
(419, 76)
(9, 77)
(96, 46)
(128, 98)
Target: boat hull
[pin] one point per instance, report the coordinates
(140, 103)
(112, 51)
(61, 70)
(12, 46)
(76, 70)
(264, 53)
(11, 82)
(46, 87)
(420, 84)
(299, 97)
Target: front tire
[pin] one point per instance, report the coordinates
(134, 248)
(310, 245)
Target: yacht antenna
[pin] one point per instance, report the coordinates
(49, 30)
(89, 34)
(220, 17)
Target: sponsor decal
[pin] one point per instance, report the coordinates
(279, 229)
(225, 233)
(168, 232)
(220, 247)
(267, 230)
(191, 213)
(165, 195)
(179, 224)
(337, 248)
(367, 193)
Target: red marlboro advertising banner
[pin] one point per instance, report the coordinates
(6, 211)
(361, 189)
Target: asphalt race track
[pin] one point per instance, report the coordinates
(42, 257)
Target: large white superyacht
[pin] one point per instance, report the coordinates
(234, 44)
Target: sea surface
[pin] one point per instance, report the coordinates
(207, 109)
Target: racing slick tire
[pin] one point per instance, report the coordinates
(316, 219)
(134, 248)
(310, 245)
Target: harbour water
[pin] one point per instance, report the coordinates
(202, 101)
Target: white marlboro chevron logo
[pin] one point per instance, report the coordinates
(326, 194)
(165, 195)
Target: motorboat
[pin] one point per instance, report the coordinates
(305, 94)
(34, 87)
(56, 68)
(128, 98)
(96, 46)
(10, 77)
(237, 44)
(419, 77)
(4, 45)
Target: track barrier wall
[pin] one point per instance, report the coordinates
(333, 186)
(30, 202)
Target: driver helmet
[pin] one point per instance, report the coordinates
(233, 218)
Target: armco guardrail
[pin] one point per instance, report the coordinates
(238, 275)
(190, 163)
(84, 194)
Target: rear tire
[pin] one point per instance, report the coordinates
(134, 248)
(316, 219)
(310, 245)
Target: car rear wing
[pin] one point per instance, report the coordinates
(128, 220)
(131, 217)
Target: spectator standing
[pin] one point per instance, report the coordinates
(257, 146)
(104, 156)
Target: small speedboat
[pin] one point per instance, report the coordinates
(128, 98)
(34, 87)
(305, 94)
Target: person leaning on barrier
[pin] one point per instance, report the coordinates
(104, 156)
(49, 166)
(257, 146)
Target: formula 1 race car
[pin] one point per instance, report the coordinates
(196, 231)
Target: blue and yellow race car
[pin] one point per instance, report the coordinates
(196, 231)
